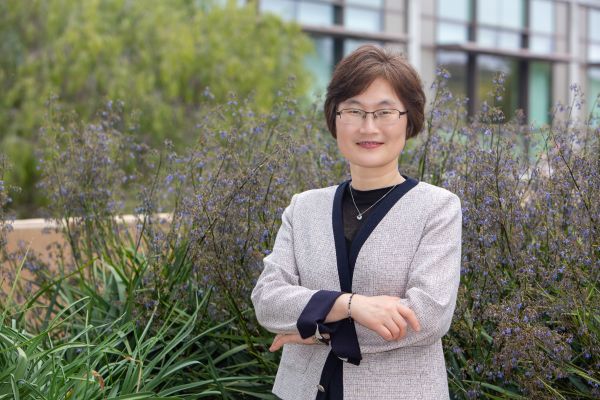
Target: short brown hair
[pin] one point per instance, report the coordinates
(360, 68)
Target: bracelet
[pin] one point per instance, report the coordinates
(349, 303)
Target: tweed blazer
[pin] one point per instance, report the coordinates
(413, 251)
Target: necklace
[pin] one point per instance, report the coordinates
(360, 214)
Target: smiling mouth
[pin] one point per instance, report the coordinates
(371, 143)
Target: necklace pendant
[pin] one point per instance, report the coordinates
(359, 217)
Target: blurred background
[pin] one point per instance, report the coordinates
(164, 60)
(542, 45)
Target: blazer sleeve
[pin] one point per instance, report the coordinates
(278, 297)
(433, 281)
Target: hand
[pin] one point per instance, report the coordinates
(284, 338)
(384, 315)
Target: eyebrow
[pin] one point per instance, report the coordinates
(384, 102)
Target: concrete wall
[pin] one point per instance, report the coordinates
(43, 239)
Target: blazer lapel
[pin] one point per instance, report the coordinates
(346, 264)
(378, 213)
(340, 242)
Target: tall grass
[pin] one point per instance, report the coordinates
(82, 343)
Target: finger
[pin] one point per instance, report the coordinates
(278, 342)
(401, 324)
(384, 332)
(276, 345)
(410, 317)
(393, 327)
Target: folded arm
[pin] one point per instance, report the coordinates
(433, 281)
(278, 297)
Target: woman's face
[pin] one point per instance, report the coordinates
(370, 144)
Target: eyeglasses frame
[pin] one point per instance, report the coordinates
(400, 113)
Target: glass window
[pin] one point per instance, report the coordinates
(320, 63)
(487, 68)
(453, 32)
(368, 3)
(283, 8)
(361, 19)
(593, 87)
(541, 16)
(594, 24)
(352, 44)
(498, 38)
(541, 44)
(541, 21)
(593, 35)
(448, 32)
(502, 13)
(540, 93)
(315, 13)
(456, 64)
(594, 52)
(454, 9)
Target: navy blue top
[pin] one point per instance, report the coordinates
(349, 235)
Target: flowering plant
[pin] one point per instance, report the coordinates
(526, 322)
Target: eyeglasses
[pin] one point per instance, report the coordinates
(356, 116)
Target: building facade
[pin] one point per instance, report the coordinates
(543, 46)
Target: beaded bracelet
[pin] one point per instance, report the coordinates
(350, 302)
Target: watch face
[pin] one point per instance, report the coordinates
(317, 333)
(323, 340)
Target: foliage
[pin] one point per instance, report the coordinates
(87, 346)
(526, 322)
(234, 174)
(6, 191)
(158, 57)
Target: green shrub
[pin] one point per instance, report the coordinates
(158, 57)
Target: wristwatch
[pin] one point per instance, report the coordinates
(319, 338)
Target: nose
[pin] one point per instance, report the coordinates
(368, 123)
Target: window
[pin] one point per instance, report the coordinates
(316, 12)
(456, 64)
(487, 69)
(372, 16)
(540, 92)
(320, 63)
(453, 21)
(362, 17)
(501, 13)
(541, 25)
(368, 3)
(354, 23)
(352, 44)
(593, 91)
(500, 23)
(593, 35)
(286, 9)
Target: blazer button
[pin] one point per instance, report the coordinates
(321, 388)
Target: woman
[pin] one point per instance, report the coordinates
(361, 284)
